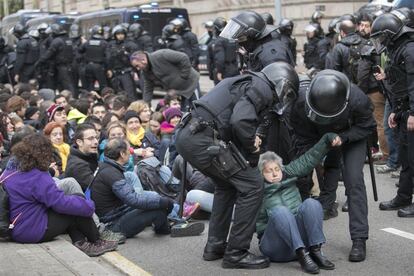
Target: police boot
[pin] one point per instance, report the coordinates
(393, 204)
(306, 262)
(318, 257)
(407, 212)
(234, 258)
(358, 251)
(214, 249)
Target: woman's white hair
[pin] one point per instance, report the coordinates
(269, 156)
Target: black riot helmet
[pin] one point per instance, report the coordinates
(317, 16)
(286, 26)
(178, 24)
(19, 30)
(219, 23)
(332, 27)
(107, 31)
(247, 26)
(118, 29)
(34, 33)
(388, 27)
(74, 31)
(97, 31)
(186, 26)
(42, 28)
(327, 97)
(285, 82)
(136, 30)
(57, 30)
(268, 18)
(169, 32)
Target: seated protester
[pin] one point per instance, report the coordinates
(109, 118)
(138, 137)
(61, 100)
(172, 118)
(288, 228)
(99, 110)
(83, 157)
(171, 99)
(39, 210)
(143, 110)
(155, 124)
(31, 117)
(6, 129)
(93, 120)
(54, 132)
(17, 122)
(78, 113)
(16, 105)
(117, 203)
(57, 113)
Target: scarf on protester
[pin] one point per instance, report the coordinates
(64, 150)
(136, 139)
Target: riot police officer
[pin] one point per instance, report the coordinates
(119, 70)
(5, 51)
(268, 18)
(78, 64)
(61, 53)
(46, 72)
(173, 40)
(326, 44)
(286, 31)
(27, 53)
(332, 103)
(218, 138)
(251, 32)
(316, 20)
(189, 38)
(224, 54)
(94, 54)
(394, 32)
(141, 37)
(310, 48)
(107, 33)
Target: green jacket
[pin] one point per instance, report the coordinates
(286, 193)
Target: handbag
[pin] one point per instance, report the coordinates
(5, 226)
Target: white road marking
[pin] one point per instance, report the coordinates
(400, 233)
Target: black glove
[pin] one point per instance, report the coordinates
(166, 204)
(253, 159)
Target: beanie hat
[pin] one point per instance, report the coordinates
(47, 94)
(30, 111)
(51, 111)
(171, 113)
(131, 114)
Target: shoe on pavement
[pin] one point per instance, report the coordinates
(306, 262)
(214, 250)
(320, 259)
(108, 235)
(97, 248)
(407, 212)
(358, 250)
(187, 229)
(345, 207)
(330, 213)
(395, 174)
(393, 204)
(244, 259)
(382, 169)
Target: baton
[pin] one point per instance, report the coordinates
(183, 184)
(371, 169)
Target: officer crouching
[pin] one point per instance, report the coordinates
(219, 138)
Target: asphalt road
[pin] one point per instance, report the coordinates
(387, 254)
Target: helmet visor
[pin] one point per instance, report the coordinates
(318, 118)
(379, 43)
(234, 30)
(286, 95)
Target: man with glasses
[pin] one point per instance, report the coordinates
(83, 157)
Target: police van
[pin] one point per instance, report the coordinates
(22, 16)
(65, 20)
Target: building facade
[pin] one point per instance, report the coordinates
(201, 11)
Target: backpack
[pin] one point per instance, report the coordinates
(158, 178)
(5, 226)
(354, 58)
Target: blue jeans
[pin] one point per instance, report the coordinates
(392, 139)
(286, 232)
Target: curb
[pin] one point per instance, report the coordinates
(123, 264)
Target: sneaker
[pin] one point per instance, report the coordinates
(187, 229)
(190, 209)
(384, 169)
(381, 161)
(108, 235)
(97, 248)
(395, 174)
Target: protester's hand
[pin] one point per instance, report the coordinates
(166, 204)
(381, 75)
(16, 78)
(337, 142)
(410, 123)
(219, 76)
(109, 74)
(54, 167)
(391, 121)
(95, 94)
(147, 152)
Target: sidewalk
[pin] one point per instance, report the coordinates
(58, 257)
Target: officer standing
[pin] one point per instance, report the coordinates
(224, 54)
(189, 38)
(332, 104)
(326, 44)
(62, 54)
(119, 69)
(316, 20)
(78, 64)
(217, 138)
(141, 37)
(392, 32)
(251, 32)
(173, 40)
(286, 30)
(94, 54)
(310, 48)
(27, 53)
(46, 72)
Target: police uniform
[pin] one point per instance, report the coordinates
(27, 54)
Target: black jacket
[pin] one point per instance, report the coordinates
(290, 43)
(324, 47)
(225, 57)
(366, 79)
(191, 42)
(144, 43)
(356, 123)
(118, 53)
(81, 166)
(27, 53)
(311, 56)
(60, 51)
(94, 50)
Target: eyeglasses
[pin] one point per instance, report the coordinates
(92, 138)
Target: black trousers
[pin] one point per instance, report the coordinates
(95, 72)
(77, 227)
(406, 155)
(124, 82)
(353, 156)
(244, 190)
(64, 78)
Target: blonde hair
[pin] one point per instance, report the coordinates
(138, 106)
(114, 125)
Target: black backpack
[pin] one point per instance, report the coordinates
(354, 58)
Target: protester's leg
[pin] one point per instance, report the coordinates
(69, 186)
(281, 237)
(329, 186)
(378, 101)
(57, 224)
(135, 222)
(203, 198)
(310, 222)
(392, 139)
